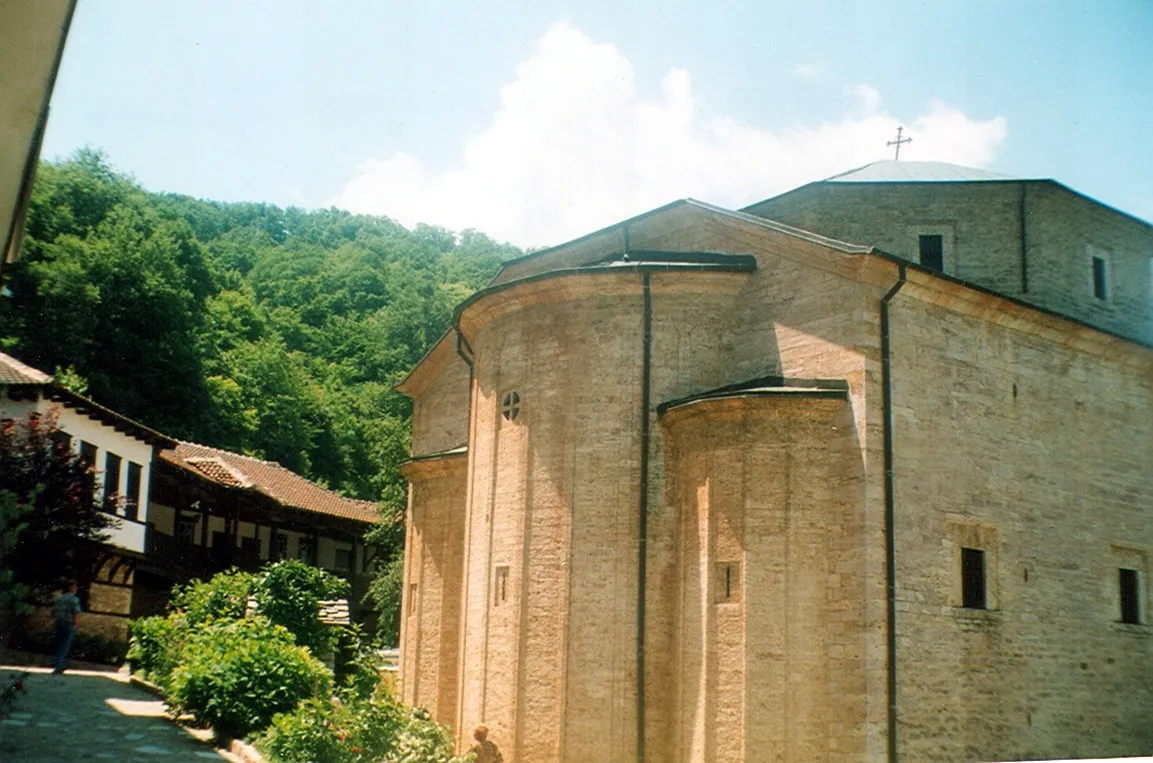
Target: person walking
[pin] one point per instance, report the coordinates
(65, 611)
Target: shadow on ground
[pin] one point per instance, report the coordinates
(92, 715)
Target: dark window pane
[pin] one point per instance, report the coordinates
(343, 560)
(1100, 287)
(132, 491)
(186, 530)
(111, 475)
(933, 252)
(972, 578)
(62, 441)
(1130, 597)
(88, 453)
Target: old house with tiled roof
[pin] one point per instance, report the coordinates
(185, 510)
(872, 483)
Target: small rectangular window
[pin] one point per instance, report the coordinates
(933, 252)
(728, 582)
(306, 550)
(972, 578)
(111, 475)
(278, 547)
(1130, 596)
(500, 586)
(343, 559)
(1100, 280)
(411, 598)
(88, 454)
(186, 530)
(62, 441)
(132, 491)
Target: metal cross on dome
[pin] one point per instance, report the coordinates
(898, 143)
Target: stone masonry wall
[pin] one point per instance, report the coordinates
(981, 227)
(430, 616)
(1038, 454)
(771, 640)
(440, 412)
(1065, 231)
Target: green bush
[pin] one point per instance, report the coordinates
(236, 675)
(155, 646)
(224, 597)
(376, 728)
(287, 594)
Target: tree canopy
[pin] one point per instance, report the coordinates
(274, 332)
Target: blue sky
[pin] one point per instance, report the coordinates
(539, 121)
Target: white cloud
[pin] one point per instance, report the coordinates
(867, 95)
(808, 71)
(573, 147)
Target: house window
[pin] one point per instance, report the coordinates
(500, 586)
(1100, 278)
(728, 582)
(111, 476)
(973, 578)
(132, 491)
(88, 454)
(186, 530)
(933, 251)
(343, 559)
(61, 441)
(1130, 590)
(510, 406)
(278, 547)
(306, 550)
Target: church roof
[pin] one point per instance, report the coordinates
(890, 171)
(765, 386)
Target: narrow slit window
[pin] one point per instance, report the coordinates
(933, 252)
(500, 586)
(1100, 280)
(973, 578)
(728, 582)
(411, 598)
(1130, 596)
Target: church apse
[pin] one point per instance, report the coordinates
(770, 658)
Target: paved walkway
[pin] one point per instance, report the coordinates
(91, 715)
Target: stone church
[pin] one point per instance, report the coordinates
(862, 472)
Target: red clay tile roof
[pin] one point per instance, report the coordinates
(268, 477)
(12, 371)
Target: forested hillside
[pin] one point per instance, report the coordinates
(274, 332)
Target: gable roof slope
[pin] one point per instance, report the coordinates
(283, 485)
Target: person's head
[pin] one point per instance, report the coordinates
(481, 733)
(70, 586)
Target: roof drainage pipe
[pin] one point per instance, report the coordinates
(890, 518)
